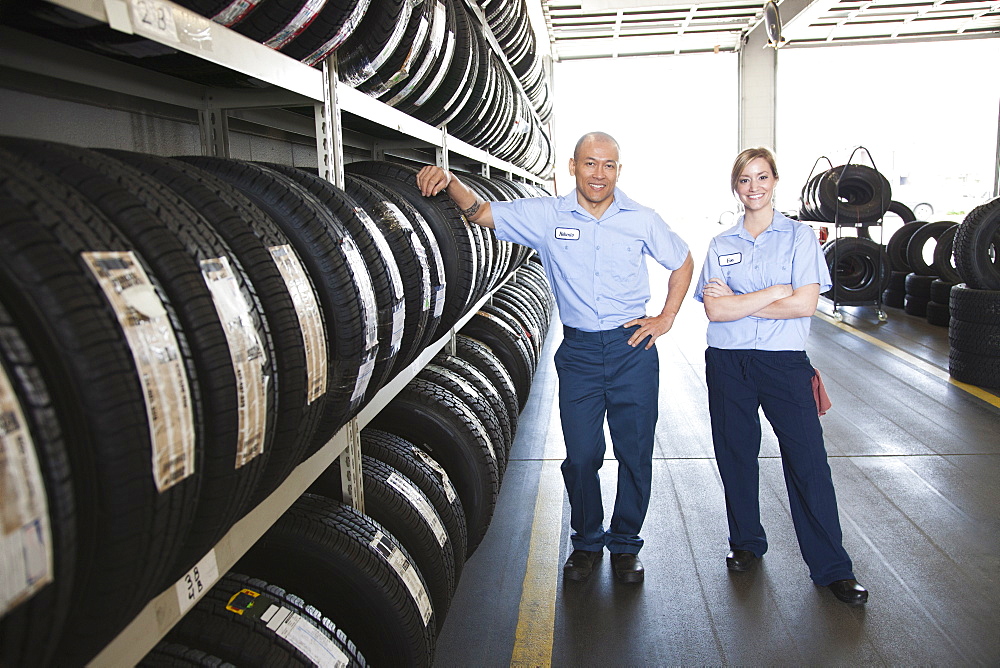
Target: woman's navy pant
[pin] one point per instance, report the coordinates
(779, 382)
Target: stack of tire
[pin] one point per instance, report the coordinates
(509, 22)
(430, 59)
(857, 196)
(974, 330)
(179, 335)
(927, 271)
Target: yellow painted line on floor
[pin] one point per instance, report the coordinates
(913, 360)
(536, 617)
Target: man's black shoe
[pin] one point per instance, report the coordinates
(849, 591)
(741, 560)
(627, 567)
(580, 564)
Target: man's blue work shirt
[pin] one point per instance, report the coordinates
(596, 267)
(786, 253)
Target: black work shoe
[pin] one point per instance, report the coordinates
(741, 560)
(580, 564)
(627, 567)
(849, 591)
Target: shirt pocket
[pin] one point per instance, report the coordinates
(624, 261)
(778, 272)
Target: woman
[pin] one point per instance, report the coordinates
(760, 285)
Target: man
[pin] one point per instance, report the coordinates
(592, 244)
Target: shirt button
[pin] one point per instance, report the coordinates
(597, 273)
(597, 247)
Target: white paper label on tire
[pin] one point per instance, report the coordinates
(153, 343)
(439, 299)
(449, 489)
(305, 637)
(406, 571)
(193, 584)
(398, 319)
(247, 354)
(310, 318)
(25, 535)
(366, 293)
(422, 505)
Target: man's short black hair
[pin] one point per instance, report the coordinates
(602, 136)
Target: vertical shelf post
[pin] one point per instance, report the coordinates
(329, 130)
(213, 123)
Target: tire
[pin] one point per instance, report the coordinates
(235, 364)
(478, 380)
(275, 23)
(972, 305)
(915, 248)
(451, 230)
(944, 259)
(476, 402)
(347, 297)
(897, 281)
(903, 211)
(859, 267)
(246, 621)
(480, 356)
(440, 423)
(174, 655)
(456, 86)
(392, 500)
(898, 242)
(893, 298)
(348, 566)
(387, 283)
(852, 194)
(437, 60)
(977, 247)
(509, 345)
(940, 292)
(429, 476)
(919, 286)
(410, 257)
(974, 369)
(400, 208)
(373, 41)
(937, 314)
(38, 494)
(336, 21)
(59, 306)
(295, 323)
(401, 63)
(975, 337)
(915, 305)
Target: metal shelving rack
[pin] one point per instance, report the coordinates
(291, 84)
(838, 225)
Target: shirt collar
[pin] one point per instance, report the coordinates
(779, 223)
(622, 202)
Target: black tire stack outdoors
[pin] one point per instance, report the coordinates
(853, 196)
(974, 330)
(179, 334)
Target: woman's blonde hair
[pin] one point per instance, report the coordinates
(745, 157)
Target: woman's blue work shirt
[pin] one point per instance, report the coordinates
(786, 253)
(596, 267)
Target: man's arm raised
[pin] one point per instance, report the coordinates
(431, 180)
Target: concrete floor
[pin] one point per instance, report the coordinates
(915, 460)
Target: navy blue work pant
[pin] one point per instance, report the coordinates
(601, 375)
(780, 382)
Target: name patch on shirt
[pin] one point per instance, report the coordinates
(567, 233)
(731, 258)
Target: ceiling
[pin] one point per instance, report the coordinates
(579, 29)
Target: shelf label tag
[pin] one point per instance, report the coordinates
(154, 19)
(193, 585)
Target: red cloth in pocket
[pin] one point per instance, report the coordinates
(823, 402)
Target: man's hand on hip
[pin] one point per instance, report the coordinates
(653, 327)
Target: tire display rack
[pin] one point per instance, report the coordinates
(839, 224)
(343, 117)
